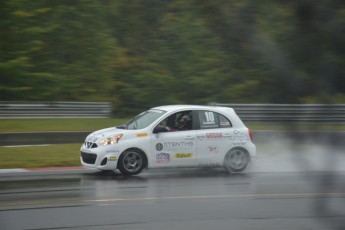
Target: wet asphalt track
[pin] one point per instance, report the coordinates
(278, 191)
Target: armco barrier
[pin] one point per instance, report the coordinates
(42, 138)
(266, 113)
(13, 110)
(290, 113)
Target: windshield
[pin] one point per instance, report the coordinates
(143, 120)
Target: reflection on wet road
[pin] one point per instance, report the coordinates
(173, 199)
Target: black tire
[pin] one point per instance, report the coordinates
(131, 162)
(236, 160)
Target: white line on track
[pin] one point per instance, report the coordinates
(12, 170)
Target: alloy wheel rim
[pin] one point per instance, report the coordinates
(132, 161)
(237, 159)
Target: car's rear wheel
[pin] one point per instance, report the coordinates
(236, 160)
(131, 162)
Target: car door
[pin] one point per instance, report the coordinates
(175, 148)
(213, 138)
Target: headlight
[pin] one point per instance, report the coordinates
(111, 140)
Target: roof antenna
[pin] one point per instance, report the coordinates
(214, 101)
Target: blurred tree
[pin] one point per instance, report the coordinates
(190, 53)
(55, 50)
(139, 54)
(82, 50)
(21, 44)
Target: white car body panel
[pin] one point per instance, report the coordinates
(191, 148)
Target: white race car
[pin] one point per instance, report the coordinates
(172, 136)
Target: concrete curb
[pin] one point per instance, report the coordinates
(46, 169)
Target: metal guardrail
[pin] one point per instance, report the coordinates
(290, 113)
(267, 113)
(54, 109)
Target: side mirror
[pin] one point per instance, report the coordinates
(160, 129)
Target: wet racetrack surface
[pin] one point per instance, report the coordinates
(275, 192)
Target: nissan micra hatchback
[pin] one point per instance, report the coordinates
(172, 136)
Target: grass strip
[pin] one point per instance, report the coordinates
(60, 155)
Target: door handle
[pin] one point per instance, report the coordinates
(189, 138)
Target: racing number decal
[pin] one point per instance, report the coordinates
(209, 117)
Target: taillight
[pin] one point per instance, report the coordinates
(250, 132)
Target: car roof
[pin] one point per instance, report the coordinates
(170, 108)
(236, 121)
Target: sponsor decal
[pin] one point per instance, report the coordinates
(208, 122)
(224, 124)
(213, 149)
(112, 158)
(159, 146)
(240, 137)
(142, 134)
(113, 151)
(214, 135)
(178, 145)
(200, 137)
(183, 155)
(173, 146)
(162, 158)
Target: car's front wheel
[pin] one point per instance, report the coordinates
(236, 160)
(131, 162)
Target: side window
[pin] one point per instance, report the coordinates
(212, 120)
(183, 121)
(179, 121)
(208, 120)
(224, 122)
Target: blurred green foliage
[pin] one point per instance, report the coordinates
(138, 54)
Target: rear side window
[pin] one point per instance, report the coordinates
(224, 122)
(212, 120)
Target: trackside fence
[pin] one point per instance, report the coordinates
(13, 110)
(260, 113)
(290, 113)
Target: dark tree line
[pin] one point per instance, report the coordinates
(137, 54)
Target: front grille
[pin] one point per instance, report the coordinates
(88, 158)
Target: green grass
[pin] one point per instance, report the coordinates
(59, 155)
(63, 124)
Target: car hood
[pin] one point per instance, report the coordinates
(103, 133)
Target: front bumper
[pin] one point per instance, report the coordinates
(102, 158)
